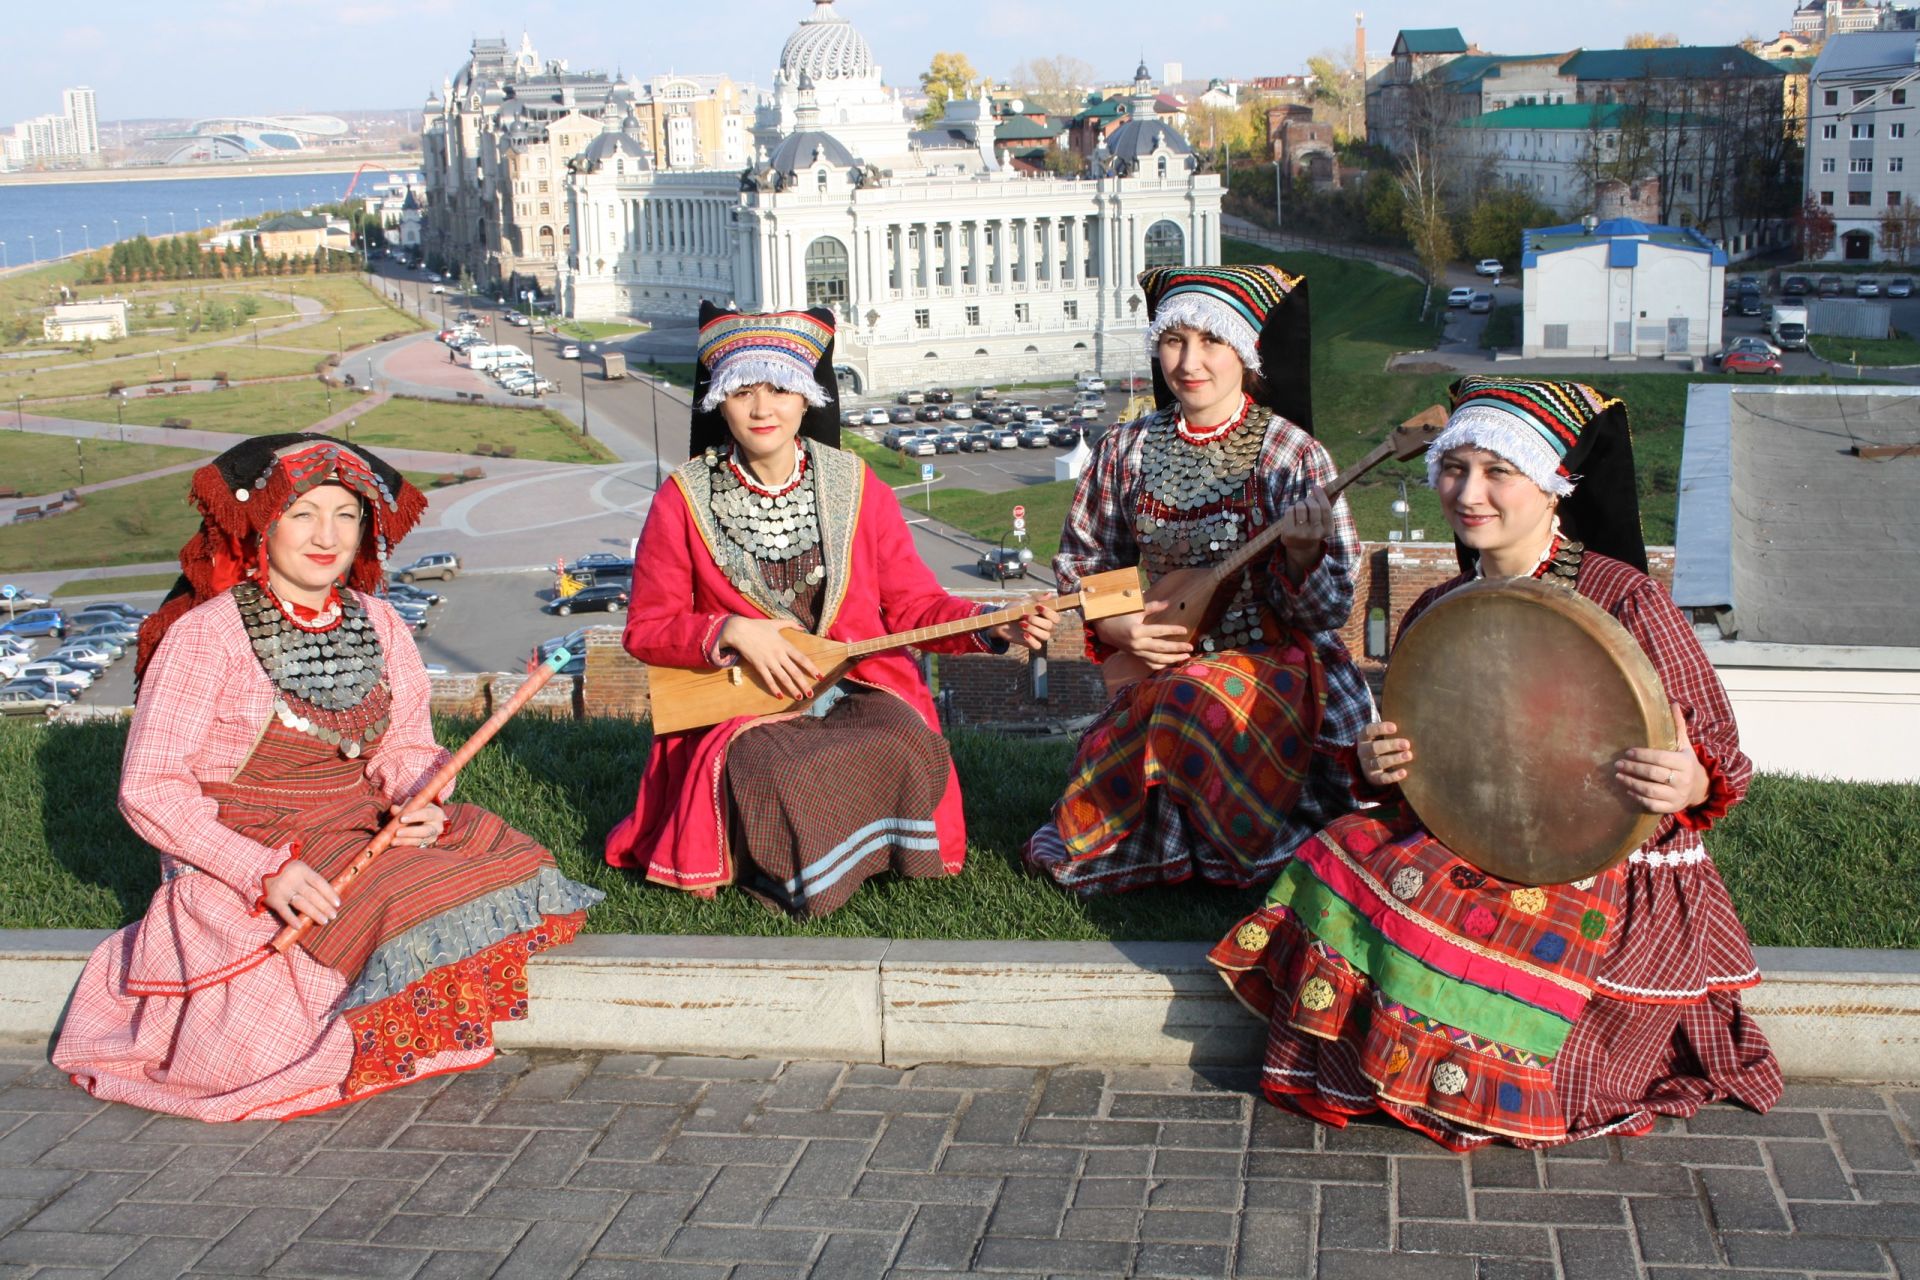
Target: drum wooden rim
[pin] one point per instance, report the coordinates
(1518, 697)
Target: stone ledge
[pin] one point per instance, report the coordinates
(1830, 1014)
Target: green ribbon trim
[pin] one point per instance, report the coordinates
(1405, 979)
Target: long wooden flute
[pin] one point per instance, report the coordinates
(434, 787)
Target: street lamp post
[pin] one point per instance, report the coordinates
(33, 248)
(196, 216)
(120, 413)
(146, 228)
(81, 454)
(116, 231)
(584, 433)
(61, 240)
(86, 239)
(340, 335)
(653, 382)
(1404, 509)
(173, 223)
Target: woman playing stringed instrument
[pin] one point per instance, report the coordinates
(1396, 976)
(771, 528)
(281, 717)
(1218, 761)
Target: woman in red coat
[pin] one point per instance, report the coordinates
(771, 527)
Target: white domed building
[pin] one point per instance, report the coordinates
(944, 265)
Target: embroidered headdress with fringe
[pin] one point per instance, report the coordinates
(1259, 310)
(242, 494)
(790, 350)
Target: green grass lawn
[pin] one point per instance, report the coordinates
(137, 523)
(458, 428)
(597, 331)
(1900, 349)
(1809, 863)
(125, 584)
(260, 409)
(37, 464)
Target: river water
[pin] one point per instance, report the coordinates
(38, 221)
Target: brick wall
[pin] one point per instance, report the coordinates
(614, 684)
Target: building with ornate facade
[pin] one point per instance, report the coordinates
(943, 263)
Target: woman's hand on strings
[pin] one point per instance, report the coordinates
(1665, 781)
(1304, 529)
(296, 890)
(1034, 630)
(771, 657)
(421, 827)
(1158, 644)
(1383, 756)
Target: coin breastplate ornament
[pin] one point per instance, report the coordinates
(1198, 503)
(770, 525)
(323, 678)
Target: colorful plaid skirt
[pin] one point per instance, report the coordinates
(1216, 749)
(1396, 977)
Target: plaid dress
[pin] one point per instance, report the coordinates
(1220, 766)
(1396, 977)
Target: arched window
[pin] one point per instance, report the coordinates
(546, 242)
(933, 355)
(1166, 245)
(827, 273)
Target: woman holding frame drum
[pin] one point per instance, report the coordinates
(1396, 976)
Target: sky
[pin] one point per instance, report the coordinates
(266, 56)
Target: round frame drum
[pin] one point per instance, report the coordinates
(1519, 697)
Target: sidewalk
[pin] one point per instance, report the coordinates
(633, 1165)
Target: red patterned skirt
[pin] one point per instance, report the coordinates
(187, 1011)
(1395, 977)
(1191, 771)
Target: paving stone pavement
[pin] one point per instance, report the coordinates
(670, 1168)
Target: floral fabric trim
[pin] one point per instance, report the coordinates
(449, 1010)
(466, 931)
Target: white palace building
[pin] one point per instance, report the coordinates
(943, 263)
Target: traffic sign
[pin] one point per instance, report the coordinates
(926, 473)
(9, 591)
(1019, 513)
(1019, 525)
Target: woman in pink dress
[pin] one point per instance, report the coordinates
(281, 717)
(772, 528)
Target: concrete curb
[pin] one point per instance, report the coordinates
(1830, 1014)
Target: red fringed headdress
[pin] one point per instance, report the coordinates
(241, 495)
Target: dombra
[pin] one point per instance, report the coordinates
(1519, 697)
(688, 699)
(1196, 599)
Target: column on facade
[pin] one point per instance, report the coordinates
(1066, 241)
(897, 257)
(1045, 231)
(796, 281)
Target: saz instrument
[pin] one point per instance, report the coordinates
(1197, 598)
(686, 699)
(1519, 697)
(435, 786)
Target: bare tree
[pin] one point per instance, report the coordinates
(1056, 85)
(1423, 171)
(1339, 90)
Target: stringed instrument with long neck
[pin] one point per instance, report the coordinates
(1198, 598)
(689, 699)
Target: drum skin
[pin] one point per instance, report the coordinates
(1518, 698)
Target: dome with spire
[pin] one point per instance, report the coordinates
(826, 47)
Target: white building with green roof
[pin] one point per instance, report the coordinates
(1562, 152)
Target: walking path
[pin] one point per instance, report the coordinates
(684, 1168)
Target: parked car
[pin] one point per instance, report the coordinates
(946, 442)
(1034, 437)
(910, 397)
(939, 395)
(1900, 287)
(1751, 345)
(113, 640)
(1750, 362)
(978, 440)
(15, 647)
(1796, 286)
(1829, 286)
(31, 698)
(90, 656)
(1002, 414)
(126, 611)
(119, 631)
(918, 446)
(601, 560)
(1059, 412)
(986, 393)
(1090, 384)
(959, 413)
(438, 564)
(1866, 287)
(574, 642)
(1481, 305)
(1001, 563)
(901, 414)
(1751, 303)
(1489, 267)
(419, 595)
(25, 600)
(612, 599)
(1065, 435)
(1033, 413)
(36, 622)
(877, 416)
(60, 675)
(930, 413)
(1006, 438)
(1460, 297)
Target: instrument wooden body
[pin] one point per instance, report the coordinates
(1196, 599)
(435, 786)
(1519, 697)
(688, 699)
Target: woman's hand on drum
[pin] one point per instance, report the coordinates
(1034, 630)
(1304, 529)
(771, 657)
(1665, 781)
(1383, 757)
(421, 827)
(296, 890)
(1158, 644)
